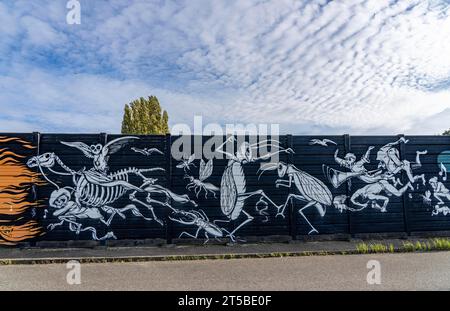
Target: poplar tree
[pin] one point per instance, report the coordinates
(145, 116)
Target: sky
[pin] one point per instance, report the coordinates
(314, 67)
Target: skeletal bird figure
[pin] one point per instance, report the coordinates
(198, 185)
(323, 142)
(147, 151)
(187, 162)
(101, 153)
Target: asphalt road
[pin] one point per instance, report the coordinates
(425, 271)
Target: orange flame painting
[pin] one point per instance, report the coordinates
(16, 181)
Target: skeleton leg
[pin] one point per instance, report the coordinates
(108, 235)
(397, 192)
(385, 200)
(439, 197)
(231, 236)
(134, 210)
(249, 218)
(300, 211)
(289, 198)
(199, 188)
(53, 226)
(207, 238)
(133, 199)
(190, 235)
(261, 193)
(206, 191)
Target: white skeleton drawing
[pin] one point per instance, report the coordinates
(186, 162)
(440, 209)
(147, 151)
(389, 160)
(340, 204)
(99, 153)
(371, 194)
(322, 142)
(206, 169)
(233, 190)
(199, 219)
(426, 198)
(439, 190)
(310, 190)
(96, 190)
(382, 180)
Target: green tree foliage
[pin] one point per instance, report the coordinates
(447, 132)
(145, 116)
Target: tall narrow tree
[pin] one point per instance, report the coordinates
(145, 116)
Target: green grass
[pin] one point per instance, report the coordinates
(364, 248)
(441, 244)
(435, 244)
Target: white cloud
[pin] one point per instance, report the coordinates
(356, 66)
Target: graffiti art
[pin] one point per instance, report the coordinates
(86, 200)
(17, 184)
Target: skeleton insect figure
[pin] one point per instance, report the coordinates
(312, 190)
(199, 219)
(233, 190)
(198, 184)
(186, 162)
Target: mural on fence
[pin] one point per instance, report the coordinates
(85, 201)
(439, 192)
(94, 191)
(381, 182)
(17, 183)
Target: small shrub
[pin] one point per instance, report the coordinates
(378, 248)
(440, 244)
(408, 247)
(362, 248)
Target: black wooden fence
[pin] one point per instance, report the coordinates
(48, 202)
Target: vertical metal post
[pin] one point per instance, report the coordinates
(348, 148)
(292, 215)
(404, 177)
(34, 187)
(168, 223)
(103, 140)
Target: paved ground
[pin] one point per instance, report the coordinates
(407, 271)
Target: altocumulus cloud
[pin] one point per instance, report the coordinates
(314, 66)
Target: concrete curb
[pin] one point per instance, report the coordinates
(23, 261)
(124, 259)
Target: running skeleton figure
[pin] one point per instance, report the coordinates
(96, 189)
(233, 191)
(377, 181)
